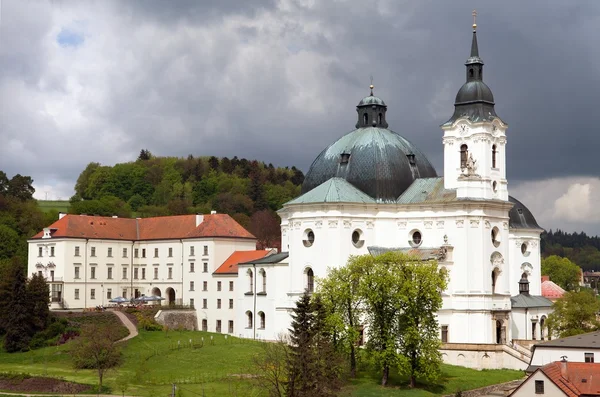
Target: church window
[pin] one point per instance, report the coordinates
(261, 316)
(251, 280)
(533, 330)
(357, 240)
(309, 238)
(471, 72)
(444, 334)
(416, 239)
(496, 237)
(310, 280)
(249, 318)
(493, 156)
(524, 249)
(494, 186)
(379, 118)
(495, 273)
(464, 156)
(263, 274)
(365, 118)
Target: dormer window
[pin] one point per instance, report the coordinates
(411, 158)
(344, 158)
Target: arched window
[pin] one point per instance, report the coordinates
(464, 156)
(251, 280)
(379, 119)
(542, 324)
(493, 156)
(310, 280)
(366, 118)
(249, 317)
(263, 274)
(495, 274)
(471, 72)
(261, 317)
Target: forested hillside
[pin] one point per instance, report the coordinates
(249, 191)
(580, 248)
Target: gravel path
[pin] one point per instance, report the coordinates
(133, 332)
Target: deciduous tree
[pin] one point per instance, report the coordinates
(575, 313)
(562, 271)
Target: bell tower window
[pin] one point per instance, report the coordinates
(464, 155)
(365, 119)
(493, 156)
(379, 119)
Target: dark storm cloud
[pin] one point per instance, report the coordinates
(279, 80)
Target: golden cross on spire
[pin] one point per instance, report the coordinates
(474, 13)
(371, 86)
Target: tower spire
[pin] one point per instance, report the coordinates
(474, 47)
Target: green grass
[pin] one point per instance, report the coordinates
(152, 362)
(58, 205)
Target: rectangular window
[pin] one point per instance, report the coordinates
(124, 273)
(204, 325)
(135, 273)
(192, 267)
(204, 303)
(40, 251)
(124, 293)
(218, 286)
(109, 274)
(93, 251)
(51, 251)
(205, 285)
(170, 252)
(218, 325)
(231, 303)
(124, 252)
(192, 303)
(205, 267)
(143, 273)
(230, 326)
(156, 252)
(108, 293)
(444, 334)
(93, 272)
(191, 285)
(109, 253)
(192, 250)
(76, 272)
(51, 275)
(143, 252)
(589, 357)
(76, 293)
(170, 273)
(156, 273)
(40, 273)
(218, 303)
(76, 251)
(92, 293)
(206, 250)
(136, 252)
(539, 387)
(231, 286)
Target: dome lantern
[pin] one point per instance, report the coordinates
(371, 111)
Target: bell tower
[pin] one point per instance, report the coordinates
(475, 137)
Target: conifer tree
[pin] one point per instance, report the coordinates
(16, 308)
(38, 295)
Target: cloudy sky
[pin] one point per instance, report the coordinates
(278, 80)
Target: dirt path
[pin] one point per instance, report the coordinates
(16, 393)
(133, 332)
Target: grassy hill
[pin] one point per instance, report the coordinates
(56, 205)
(153, 361)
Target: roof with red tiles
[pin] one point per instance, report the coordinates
(230, 266)
(574, 379)
(551, 290)
(157, 228)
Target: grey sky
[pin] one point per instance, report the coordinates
(278, 80)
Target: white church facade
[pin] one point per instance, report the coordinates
(369, 192)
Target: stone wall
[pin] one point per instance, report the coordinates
(177, 319)
(483, 356)
(504, 388)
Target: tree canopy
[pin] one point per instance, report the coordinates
(575, 313)
(562, 271)
(581, 249)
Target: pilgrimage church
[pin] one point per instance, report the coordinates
(369, 192)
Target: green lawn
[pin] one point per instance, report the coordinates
(58, 205)
(153, 362)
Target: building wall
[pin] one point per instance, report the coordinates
(527, 389)
(523, 320)
(546, 355)
(482, 357)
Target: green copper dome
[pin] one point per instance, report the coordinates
(371, 100)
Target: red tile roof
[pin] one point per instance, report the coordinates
(574, 379)
(157, 228)
(230, 266)
(551, 290)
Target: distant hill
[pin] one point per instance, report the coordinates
(580, 248)
(54, 205)
(248, 190)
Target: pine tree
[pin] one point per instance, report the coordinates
(17, 312)
(299, 371)
(38, 295)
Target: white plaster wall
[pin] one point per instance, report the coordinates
(529, 263)
(478, 359)
(546, 355)
(522, 320)
(527, 389)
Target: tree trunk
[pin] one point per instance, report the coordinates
(352, 361)
(100, 373)
(386, 374)
(413, 381)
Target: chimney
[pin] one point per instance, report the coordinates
(545, 278)
(115, 216)
(563, 367)
(199, 219)
(213, 212)
(61, 215)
